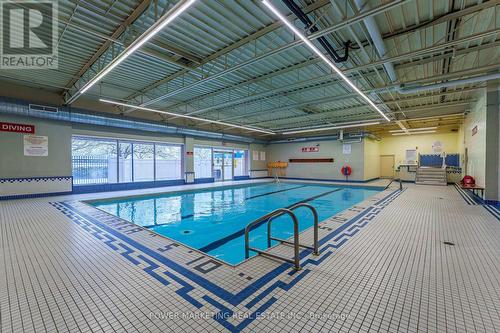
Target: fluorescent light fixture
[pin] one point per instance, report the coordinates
(318, 129)
(254, 129)
(322, 56)
(136, 44)
(423, 132)
(414, 129)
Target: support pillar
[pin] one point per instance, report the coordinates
(492, 183)
(189, 160)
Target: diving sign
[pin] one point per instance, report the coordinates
(17, 128)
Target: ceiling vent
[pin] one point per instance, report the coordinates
(43, 108)
(351, 140)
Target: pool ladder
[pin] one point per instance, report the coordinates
(296, 245)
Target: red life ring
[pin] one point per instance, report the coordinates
(346, 170)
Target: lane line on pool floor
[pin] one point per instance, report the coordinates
(218, 243)
(232, 298)
(187, 216)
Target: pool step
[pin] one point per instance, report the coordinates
(431, 176)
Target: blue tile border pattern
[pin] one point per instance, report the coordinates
(37, 181)
(491, 206)
(255, 298)
(34, 179)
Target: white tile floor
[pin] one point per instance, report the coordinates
(383, 267)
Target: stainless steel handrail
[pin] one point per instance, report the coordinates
(277, 212)
(400, 183)
(315, 231)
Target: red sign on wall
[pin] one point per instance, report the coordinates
(189, 153)
(17, 128)
(310, 149)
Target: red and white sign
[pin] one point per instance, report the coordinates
(17, 128)
(310, 149)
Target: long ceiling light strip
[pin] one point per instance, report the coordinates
(414, 133)
(181, 7)
(322, 56)
(254, 129)
(414, 129)
(318, 129)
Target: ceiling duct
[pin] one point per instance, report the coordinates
(43, 108)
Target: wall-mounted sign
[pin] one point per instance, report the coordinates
(411, 156)
(346, 149)
(262, 155)
(255, 155)
(310, 149)
(36, 145)
(189, 153)
(17, 128)
(437, 147)
(474, 130)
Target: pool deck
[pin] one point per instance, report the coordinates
(419, 260)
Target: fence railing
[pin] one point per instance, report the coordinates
(90, 170)
(103, 170)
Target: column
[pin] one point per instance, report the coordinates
(492, 183)
(189, 159)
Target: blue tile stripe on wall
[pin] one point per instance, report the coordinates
(436, 160)
(190, 280)
(34, 179)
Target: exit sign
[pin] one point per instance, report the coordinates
(17, 128)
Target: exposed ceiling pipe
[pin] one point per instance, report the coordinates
(377, 39)
(378, 43)
(470, 80)
(309, 25)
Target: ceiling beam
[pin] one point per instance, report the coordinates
(402, 57)
(347, 22)
(136, 14)
(138, 11)
(273, 26)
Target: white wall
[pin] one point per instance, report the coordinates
(13, 163)
(327, 149)
(371, 159)
(54, 169)
(476, 144)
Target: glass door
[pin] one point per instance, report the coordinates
(223, 165)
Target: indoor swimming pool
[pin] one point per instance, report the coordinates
(213, 220)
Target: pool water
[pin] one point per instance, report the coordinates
(213, 220)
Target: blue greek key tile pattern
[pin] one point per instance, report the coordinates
(420, 260)
(173, 267)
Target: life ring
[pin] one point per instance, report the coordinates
(346, 170)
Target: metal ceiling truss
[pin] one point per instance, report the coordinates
(265, 77)
(442, 50)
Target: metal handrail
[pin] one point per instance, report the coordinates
(316, 224)
(400, 183)
(277, 212)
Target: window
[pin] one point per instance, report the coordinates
(125, 162)
(94, 161)
(202, 162)
(143, 162)
(241, 163)
(104, 161)
(168, 162)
